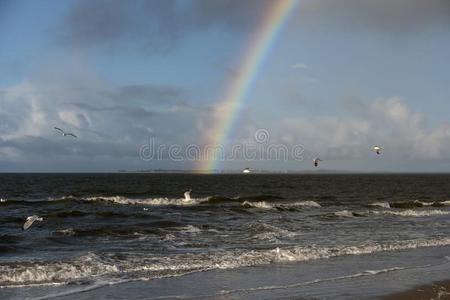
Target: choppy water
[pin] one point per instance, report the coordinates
(121, 227)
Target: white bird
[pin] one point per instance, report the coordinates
(316, 161)
(65, 133)
(378, 149)
(246, 170)
(2, 200)
(30, 220)
(187, 195)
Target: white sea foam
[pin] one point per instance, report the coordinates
(307, 203)
(190, 229)
(344, 214)
(269, 232)
(258, 204)
(269, 205)
(381, 204)
(40, 272)
(149, 201)
(414, 213)
(417, 202)
(150, 266)
(424, 203)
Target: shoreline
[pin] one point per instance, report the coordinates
(372, 276)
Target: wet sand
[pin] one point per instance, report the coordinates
(438, 290)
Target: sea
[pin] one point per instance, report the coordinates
(241, 236)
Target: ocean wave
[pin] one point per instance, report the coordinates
(38, 202)
(256, 198)
(68, 213)
(381, 204)
(348, 214)
(150, 266)
(86, 266)
(280, 206)
(410, 204)
(414, 213)
(267, 232)
(148, 201)
(415, 204)
(111, 231)
(442, 203)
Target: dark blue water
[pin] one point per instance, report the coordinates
(117, 228)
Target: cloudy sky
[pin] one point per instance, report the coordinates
(342, 76)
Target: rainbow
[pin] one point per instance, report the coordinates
(252, 61)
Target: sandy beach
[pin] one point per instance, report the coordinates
(437, 290)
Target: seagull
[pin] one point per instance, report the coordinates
(65, 133)
(187, 195)
(246, 170)
(378, 149)
(316, 161)
(30, 220)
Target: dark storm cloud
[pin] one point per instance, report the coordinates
(153, 25)
(91, 21)
(387, 15)
(158, 25)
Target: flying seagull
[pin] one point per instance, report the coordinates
(65, 133)
(187, 195)
(316, 161)
(30, 220)
(378, 149)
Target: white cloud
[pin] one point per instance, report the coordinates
(110, 121)
(386, 121)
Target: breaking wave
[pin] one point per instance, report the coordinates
(149, 201)
(141, 266)
(347, 214)
(410, 204)
(417, 203)
(280, 206)
(86, 266)
(381, 204)
(414, 213)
